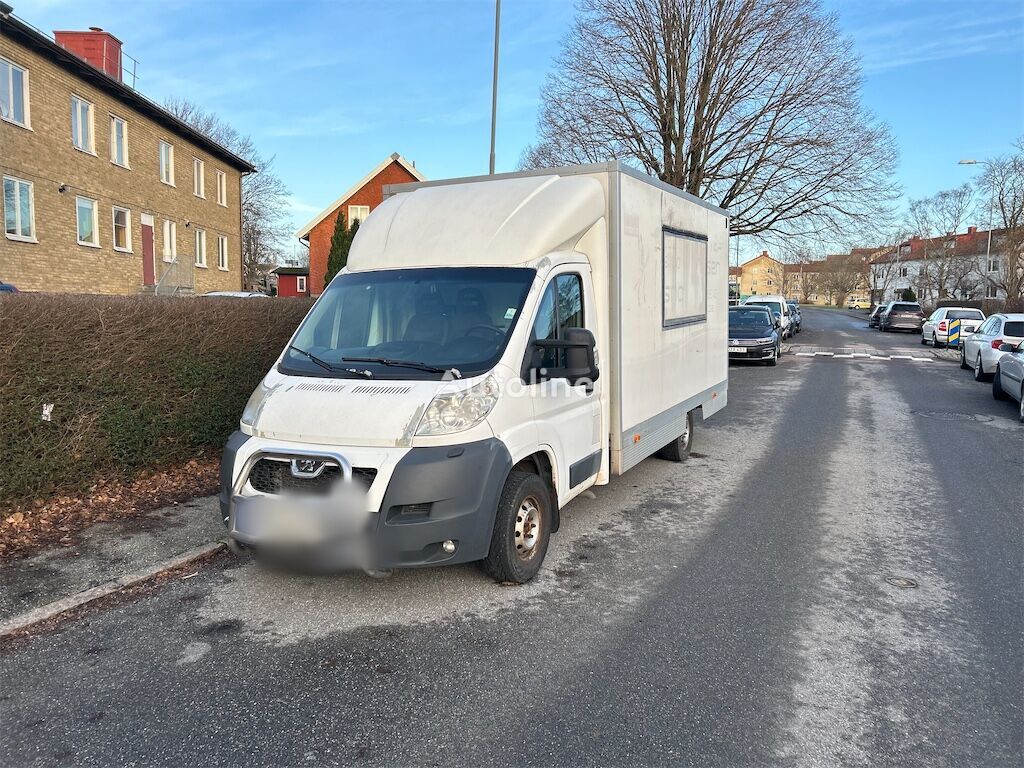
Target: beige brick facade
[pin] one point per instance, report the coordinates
(43, 154)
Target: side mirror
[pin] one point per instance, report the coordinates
(580, 357)
(1007, 348)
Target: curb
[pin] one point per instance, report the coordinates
(50, 610)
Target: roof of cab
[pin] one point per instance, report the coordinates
(500, 222)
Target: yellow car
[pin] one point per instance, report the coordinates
(858, 304)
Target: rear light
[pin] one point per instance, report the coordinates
(996, 343)
(942, 325)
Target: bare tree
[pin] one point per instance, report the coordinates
(752, 104)
(1002, 188)
(842, 275)
(946, 270)
(264, 219)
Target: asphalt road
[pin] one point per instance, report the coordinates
(730, 611)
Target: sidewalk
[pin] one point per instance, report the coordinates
(107, 552)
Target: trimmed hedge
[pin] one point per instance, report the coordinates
(135, 382)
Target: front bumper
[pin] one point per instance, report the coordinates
(753, 352)
(432, 495)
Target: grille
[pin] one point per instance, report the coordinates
(272, 476)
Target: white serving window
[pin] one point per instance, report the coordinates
(684, 271)
(167, 163)
(122, 223)
(170, 240)
(198, 177)
(222, 188)
(13, 93)
(300, 283)
(19, 209)
(118, 141)
(200, 247)
(358, 213)
(81, 124)
(222, 252)
(88, 221)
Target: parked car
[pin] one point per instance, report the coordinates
(237, 294)
(754, 334)
(798, 320)
(1008, 381)
(876, 313)
(858, 304)
(980, 350)
(7, 287)
(776, 304)
(936, 328)
(901, 316)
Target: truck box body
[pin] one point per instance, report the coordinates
(659, 367)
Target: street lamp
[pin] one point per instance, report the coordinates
(494, 80)
(991, 212)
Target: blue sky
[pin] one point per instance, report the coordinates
(331, 88)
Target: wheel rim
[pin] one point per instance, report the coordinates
(685, 437)
(528, 522)
(935, 340)
(977, 364)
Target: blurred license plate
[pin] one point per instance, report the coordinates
(300, 520)
(740, 350)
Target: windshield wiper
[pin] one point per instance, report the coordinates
(404, 364)
(318, 360)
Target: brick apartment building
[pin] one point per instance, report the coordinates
(356, 203)
(103, 190)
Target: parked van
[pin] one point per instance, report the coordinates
(780, 306)
(495, 346)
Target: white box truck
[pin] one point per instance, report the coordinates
(495, 346)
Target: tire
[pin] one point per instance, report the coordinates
(963, 358)
(522, 529)
(924, 341)
(997, 386)
(679, 448)
(1020, 404)
(935, 342)
(771, 363)
(979, 369)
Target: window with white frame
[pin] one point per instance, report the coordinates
(88, 221)
(904, 271)
(13, 93)
(170, 240)
(222, 188)
(200, 247)
(684, 275)
(300, 283)
(993, 264)
(122, 224)
(222, 253)
(358, 213)
(167, 163)
(991, 292)
(198, 177)
(19, 209)
(118, 141)
(81, 124)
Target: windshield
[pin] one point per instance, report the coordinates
(775, 306)
(415, 323)
(749, 319)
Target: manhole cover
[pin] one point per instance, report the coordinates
(948, 415)
(903, 582)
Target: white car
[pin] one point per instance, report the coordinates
(980, 350)
(936, 327)
(1009, 376)
(778, 305)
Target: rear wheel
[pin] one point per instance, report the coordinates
(679, 448)
(1021, 404)
(997, 386)
(963, 358)
(522, 529)
(935, 341)
(979, 369)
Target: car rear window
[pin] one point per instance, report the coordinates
(906, 307)
(1013, 328)
(964, 314)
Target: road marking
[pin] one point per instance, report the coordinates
(863, 356)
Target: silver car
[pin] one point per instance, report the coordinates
(980, 350)
(1008, 381)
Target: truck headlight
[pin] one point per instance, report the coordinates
(458, 411)
(251, 412)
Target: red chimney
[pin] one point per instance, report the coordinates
(971, 230)
(99, 48)
(764, 253)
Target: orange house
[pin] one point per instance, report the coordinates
(356, 203)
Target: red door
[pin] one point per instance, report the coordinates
(148, 270)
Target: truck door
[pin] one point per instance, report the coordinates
(568, 418)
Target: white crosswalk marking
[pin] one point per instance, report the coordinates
(854, 354)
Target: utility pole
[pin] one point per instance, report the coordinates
(991, 214)
(494, 84)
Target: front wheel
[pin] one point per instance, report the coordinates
(522, 529)
(679, 448)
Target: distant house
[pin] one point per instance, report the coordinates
(292, 281)
(104, 191)
(761, 275)
(356, 203)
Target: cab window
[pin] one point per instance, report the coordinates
(560, 308)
